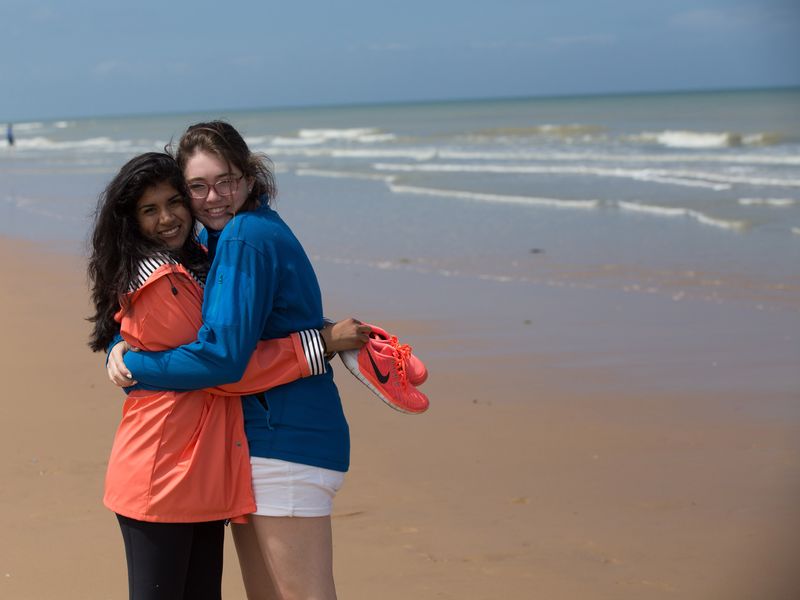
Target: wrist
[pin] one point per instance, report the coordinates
(325, 338)
(327, 341)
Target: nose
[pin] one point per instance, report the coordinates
(165, 216)
(213, 196)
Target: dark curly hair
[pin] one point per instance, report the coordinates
(118, 245)
(222, 140)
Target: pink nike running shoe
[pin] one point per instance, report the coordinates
(415, 368)
(389, 369)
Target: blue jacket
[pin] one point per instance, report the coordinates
(261, 286)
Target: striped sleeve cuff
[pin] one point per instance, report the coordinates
(313, 350)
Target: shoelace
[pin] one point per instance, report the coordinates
(401, 353)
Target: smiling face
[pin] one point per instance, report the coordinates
(163, 216)
(204, 169)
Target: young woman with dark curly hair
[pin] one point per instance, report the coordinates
(179, 466)
(261, 285)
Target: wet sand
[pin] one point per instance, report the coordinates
(532, 475)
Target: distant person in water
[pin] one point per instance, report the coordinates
(10, 134)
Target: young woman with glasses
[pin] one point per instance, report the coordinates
(180, 464)
(261, 285)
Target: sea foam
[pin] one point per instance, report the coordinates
(98, 143)
(552, 130)
(694, 139)
(336, 134)
(767, 202)
(704, 179)
(361, 135)
(29, 126)
(494, 198)
(306, 172)
(284, 141)
(418, 154)
(705, 139)
(671, 211)
(757, 159)
(320, 137)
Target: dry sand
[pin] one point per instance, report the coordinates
(512, 486)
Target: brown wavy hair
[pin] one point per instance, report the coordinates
(222, 140)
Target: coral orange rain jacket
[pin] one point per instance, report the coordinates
(183, 456)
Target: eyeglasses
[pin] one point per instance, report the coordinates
(226, 186)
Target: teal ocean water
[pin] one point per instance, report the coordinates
(657, 234)
(692, 193)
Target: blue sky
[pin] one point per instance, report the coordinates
(99, 57)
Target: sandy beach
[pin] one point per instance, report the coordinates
(526, 479)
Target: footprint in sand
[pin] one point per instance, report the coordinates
(354, 513)
(409, 530)
(594, 552)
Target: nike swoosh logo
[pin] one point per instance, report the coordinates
(381, 377)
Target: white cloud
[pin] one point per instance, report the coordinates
(251, 61)
(709, 18)
(114, 68)
(178, 68)
(501, 45)
(387, 47)
(762, 17)
(598, 39)
(108, 67)
(44, 13)
(564, 41)
(391, 47)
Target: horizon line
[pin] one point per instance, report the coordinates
(456, 100)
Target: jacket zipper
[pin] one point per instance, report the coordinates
(262, 399)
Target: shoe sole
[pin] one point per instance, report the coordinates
(350, 360)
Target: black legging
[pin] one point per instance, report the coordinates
(173, 561)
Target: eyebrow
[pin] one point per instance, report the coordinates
(216, 178)
(143, 206)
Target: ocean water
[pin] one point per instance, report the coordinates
(684, 194)
(654, 235)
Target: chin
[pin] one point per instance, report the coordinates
(217, 224)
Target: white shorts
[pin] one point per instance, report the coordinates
(287, 489)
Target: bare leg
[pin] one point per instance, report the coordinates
(255, 574)
(297, 556)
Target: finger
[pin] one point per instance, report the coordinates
(122, 373)
(124, 381)
(118, 376)
(119, 365)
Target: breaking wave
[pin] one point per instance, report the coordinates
(670, 211)
(494, 198)
(698, 139)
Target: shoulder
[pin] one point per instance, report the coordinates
(261, 229)
(262, 219)
(154, 267)
(151, 268)
(151, 277)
